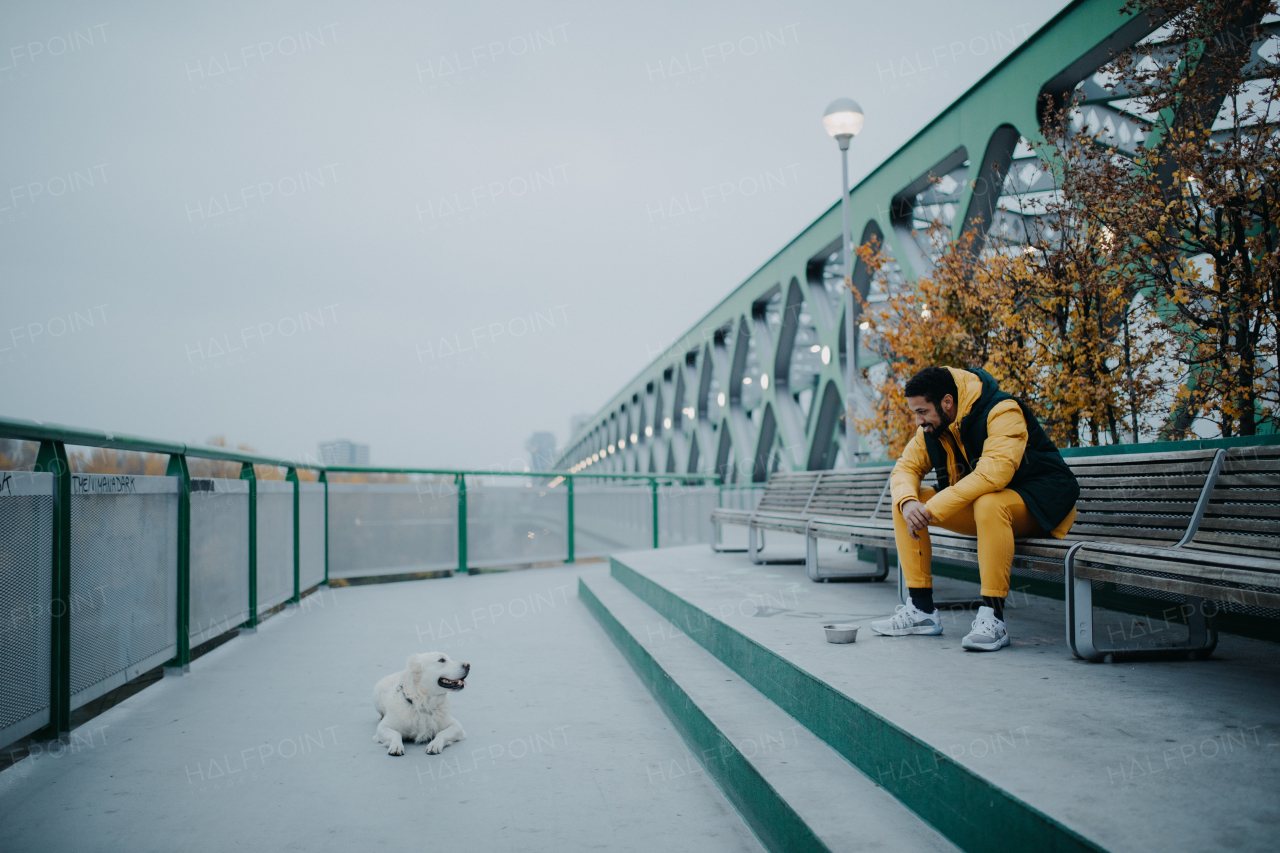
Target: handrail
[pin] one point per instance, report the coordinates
(374, 469)
(32, 430)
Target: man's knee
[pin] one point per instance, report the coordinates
(990, 508)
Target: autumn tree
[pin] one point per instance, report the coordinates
(1081, 341)
(1051, 317)
(946, 318)
(1141, 292)
(1197, 211)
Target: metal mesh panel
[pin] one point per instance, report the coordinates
(275, 543)
(310, 534)
(1226, 605)
(219, 556)
(26, 571)
(609, 519)
(389, 528)
(684, 514)
(511, 524)
(124, 559)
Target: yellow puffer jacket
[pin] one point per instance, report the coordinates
(1001, 454)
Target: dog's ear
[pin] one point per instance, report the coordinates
(413, 668)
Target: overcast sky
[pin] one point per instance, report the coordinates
(435, 228)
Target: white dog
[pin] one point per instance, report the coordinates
(414, 703)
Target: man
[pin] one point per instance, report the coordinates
(999, 477)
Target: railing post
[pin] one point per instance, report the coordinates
(247, 473)
(178, 468)
(569, 482)
(324, 478)
(52, 457)
(292, 476)
(653, 486)
(461, 480)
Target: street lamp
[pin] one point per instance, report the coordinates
(843, 119)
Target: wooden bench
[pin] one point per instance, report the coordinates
(786, 494)
(791, 500)
(858, 495)
(1229, 553)
(1140, 499)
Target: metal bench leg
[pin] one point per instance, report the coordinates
(811, 557)
(1079, 595)
(753, 550)
(1084, 645)
(1202, 632)
(815, 572)
(755, 546)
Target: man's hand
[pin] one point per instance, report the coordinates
(917, 516)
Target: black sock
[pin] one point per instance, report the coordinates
(922, 597)
(996, 604)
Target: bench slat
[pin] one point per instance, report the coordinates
(1192, 481)
(1202, 544)
(1260, 526)
(1201, 590)
(1244, 541)
(1192, 561)
(1220, 495)
(1161, 456)
(1117, 520)
(1180, 508)
(1139, 494)
(1245, 466)
(1255, 481)
(1191, 469)
(1094, 531)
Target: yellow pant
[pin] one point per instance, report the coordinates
(995, 518)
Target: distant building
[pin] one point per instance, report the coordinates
(542, 450)
(344, 452)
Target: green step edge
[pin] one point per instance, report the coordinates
(972, 813)
(774, 822)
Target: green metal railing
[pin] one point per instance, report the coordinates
(52, 458)
(554, 478)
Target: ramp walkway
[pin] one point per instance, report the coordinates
(267, 743)
(717, 718)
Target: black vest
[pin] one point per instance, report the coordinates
(1043, 480)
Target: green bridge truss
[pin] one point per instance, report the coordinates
(757, 384)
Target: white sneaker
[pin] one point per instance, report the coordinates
(908, 619)
(987, 633)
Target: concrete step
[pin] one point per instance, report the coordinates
(965, 805)
(795, 791)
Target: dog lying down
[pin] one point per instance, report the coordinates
(414, 703)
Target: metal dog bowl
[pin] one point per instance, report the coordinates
(841, 633)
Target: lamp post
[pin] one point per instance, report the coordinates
(843, 119)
